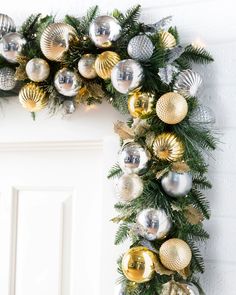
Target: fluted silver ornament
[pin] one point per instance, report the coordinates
(187, 83)
(129, 187)
(177, 184)
(104, 30)
(133, 158)
(69, 107)
(153, 224)
(37, 69)
(203, 115)
(193, 290)
(126, 75)
(67, 82)
(7, 24)
(86, 66)
(140, 47)
(11, 46)
(7, 79)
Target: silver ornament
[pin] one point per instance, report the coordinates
(177, 184)
(104, 30)
(37, 69)
(69, 106)
(187, 83)
(129, 187)
(11, 46)
(133, 158)
(193, 290)
(160, 25)
(140, 48)
(126, 75)
(153, 224)
(67, 82)
(167, 74)
(174, 53)
(119, 289)
(203, 115)
(86, 66)
(7, 79)
(6, 24)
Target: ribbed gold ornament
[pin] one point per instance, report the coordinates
(138, 264)
(167, 146)
(105, 62)
(167, 40)
(171, 108)
(175, 254)
(140, 103)
(32, 97)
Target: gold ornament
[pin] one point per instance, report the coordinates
(193, 215)
(20, 74)
(167, 40)
(175, 254)
(168, 147)
(138, 264)
(175, 288)
(123, 130)
(171, 108)
(180, 167)
(105, 62)
(32, 97)
(86, 66)
(140, 104)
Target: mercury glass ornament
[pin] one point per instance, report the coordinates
(105, 62)
(11, 46)
(126, 75)
(37, 69)
(203, 115)
(129, 187)
(67, 82)
(177, 184)
(133, 158)
(7, 79)
(140, 47)
(140, 104)
(187, 83)
(104, 30)
(153, 224)
(69, 106)
(86, 66)
(192, 289)
(7, 24)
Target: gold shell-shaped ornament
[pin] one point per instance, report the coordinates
(105, 62)
(167, 40)
(32, 97)
(55, 40)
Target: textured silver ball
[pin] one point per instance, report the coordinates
(69, 106)
(11, 46)
(153, 224)
(133, 158)
(86, 66)
(193, 290)
(7, 79)
(129, 187)
(140, 48)
(104, 30)
(6, 24)
(203, 115)
(126, 75)
(37, 69)
(177, 184)
(67, 82)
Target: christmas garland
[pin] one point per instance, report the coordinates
(144, 71)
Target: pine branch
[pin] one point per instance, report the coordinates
(193, 232)
(114, 172)
(198, 200)
(197, 55)
(85, 21)
(30, 26)
(197, 263)
(72, 21)
(174, 32)
(122, 233)
(201, 182)
(132, 15)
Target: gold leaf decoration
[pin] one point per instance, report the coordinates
(180, 167)
(123, 130)
(193, 215)
(161, 173)
(185, 273)
(175, 288)
(20, 74)
(140, 127)
(161, 269)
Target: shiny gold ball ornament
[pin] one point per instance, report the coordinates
(86, 66)
(175, 254)
(55, 40)
(167, 40)
(37, 69)
(168, 147)
(32, 97)
(171, 108)
(138, 264)
(105, 62)
(140, 104)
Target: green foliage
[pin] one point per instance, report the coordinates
(115, 171)
(122, 233)
(174, 32)
(197, 55)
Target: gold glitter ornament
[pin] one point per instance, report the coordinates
(105, 62)
(140, 104)
(167, 40)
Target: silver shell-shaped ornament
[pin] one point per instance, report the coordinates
(187, 83)
(153, 224)
(193, 290)
(133, 158)
(126, 75)
(67, 82)
(55, 40)
(104, 30)
(37, 69)
(69, 106)
(7, 79)
(86, 66)
(6, 24)
(177, 184)
(140, 47)
(202, 115)
(11, 46)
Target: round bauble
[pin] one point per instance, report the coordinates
(202, 115)
(175, 254)
(138, 264)
(140, 48)
(167, 40)
(129, 187)
(86, 66)
(153, 224)
(171, 108)
(37, 69)
(67, 82)
(11, 46)
(55, 40)
(126, 75)
(133, 158)
(177, 184)
(69, 106)
(7, 79)
(105, 62)
(140, 104)
(7, 24)
(104, 30)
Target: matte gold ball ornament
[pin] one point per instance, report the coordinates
(138, 264)
(105, 62)
(37, 69)
(140, 104)
(86, 66)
